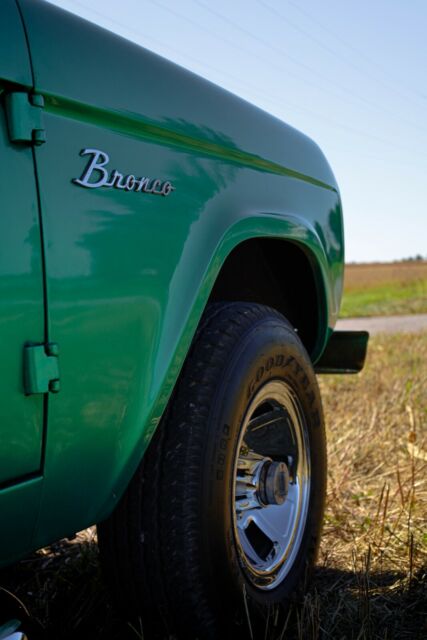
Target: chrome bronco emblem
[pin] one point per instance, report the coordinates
(96, 175)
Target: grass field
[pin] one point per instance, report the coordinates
(385, 289)
(370, 582)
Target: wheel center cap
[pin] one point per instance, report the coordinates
(273, 483)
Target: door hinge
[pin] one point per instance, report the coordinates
(41, 370)
(24, 113)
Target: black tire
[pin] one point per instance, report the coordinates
(173, 550)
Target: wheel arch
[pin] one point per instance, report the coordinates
(279, 273)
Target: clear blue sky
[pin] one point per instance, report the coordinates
(352, 75)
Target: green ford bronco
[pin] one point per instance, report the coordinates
(171, 270)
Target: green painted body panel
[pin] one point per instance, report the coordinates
(21, 310)
(21, 319)
(128, 274)
(19, 506)
(14, 59)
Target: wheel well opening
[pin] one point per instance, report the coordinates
(277, 273)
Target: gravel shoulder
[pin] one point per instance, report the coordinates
(385, 324)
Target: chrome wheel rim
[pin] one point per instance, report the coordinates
(271, 485)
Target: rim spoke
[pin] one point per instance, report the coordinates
(265, 419)
(270, 526)
(244, 519)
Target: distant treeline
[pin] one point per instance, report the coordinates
(416, 258)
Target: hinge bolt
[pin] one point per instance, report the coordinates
(52, 349)
(54, 386)
(39, 136)
(37, 100)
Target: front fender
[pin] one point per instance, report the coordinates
(181, 321)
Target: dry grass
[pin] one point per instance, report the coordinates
(370, 583)
(374, 549)
(385, 289)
